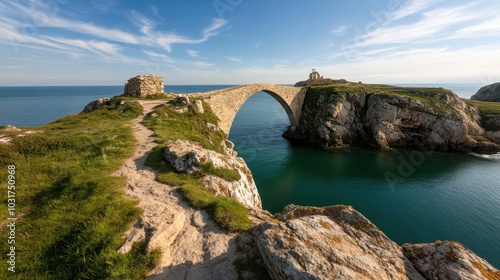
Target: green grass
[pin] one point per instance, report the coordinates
(192, 126)
(485, 108)
(224, 173)
(72, 213)
(227, 213)
(435, 98)
(169, 125)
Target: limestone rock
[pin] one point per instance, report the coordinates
(10, 128)
(490, 93)
(335, 242)
(96, 104)
(212, 127)
(449, 260)
(198, 105)
(228, 147)
(143, 85)
(333, 120)
(186, 157)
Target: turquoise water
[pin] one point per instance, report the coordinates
(442, 197)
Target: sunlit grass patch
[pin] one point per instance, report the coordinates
(72, 213)
(170, 125)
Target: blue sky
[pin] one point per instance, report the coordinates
(69, 42)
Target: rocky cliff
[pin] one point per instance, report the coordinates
(490, 93)
(337, 242)
(386, 116)
(188, 157)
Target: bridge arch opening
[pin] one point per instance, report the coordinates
(258, 126)
(226, 103)
(267, 94)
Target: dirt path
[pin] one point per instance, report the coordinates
(193, 246)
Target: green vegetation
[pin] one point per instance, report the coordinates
(436, 98)
(155, 96)
(485, 108)
(224, 173)
(170, 125)
(72, 214)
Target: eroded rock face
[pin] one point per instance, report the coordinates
(94, 105)
(491, 123)
(335, 120)
(335, 242)
(186, 157)
(449, 260)
(490, 93)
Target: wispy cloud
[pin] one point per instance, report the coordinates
(413, 7)
(234, 59)
(488, 27)
(104, 5)
(166, 40)
(340, 30)
(193, 53)
(165, 58)
(97, 47)
(432, 25)
(98, 40)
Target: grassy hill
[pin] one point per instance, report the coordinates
(72, 214)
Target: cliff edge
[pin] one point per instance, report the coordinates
(384, 116)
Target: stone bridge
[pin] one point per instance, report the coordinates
(225, 103)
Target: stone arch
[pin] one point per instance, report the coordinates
(291, 117)
(227, 102)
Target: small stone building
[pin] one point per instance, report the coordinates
(143, 85)
(315, 75)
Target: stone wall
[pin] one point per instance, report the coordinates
(143, 85)
(225, 103)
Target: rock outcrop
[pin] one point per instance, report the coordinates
(96, 104)
(334, 242)
(491, 123)
(386, 116)
(181, 100)
(490, 93)
(186, 157)
(449, 260)
(337, 242)
(143, 85)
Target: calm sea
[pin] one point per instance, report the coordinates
(445, 197)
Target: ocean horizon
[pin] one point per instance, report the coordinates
(37, 105)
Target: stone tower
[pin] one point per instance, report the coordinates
(143, 85)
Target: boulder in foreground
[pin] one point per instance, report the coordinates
(337, 242)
